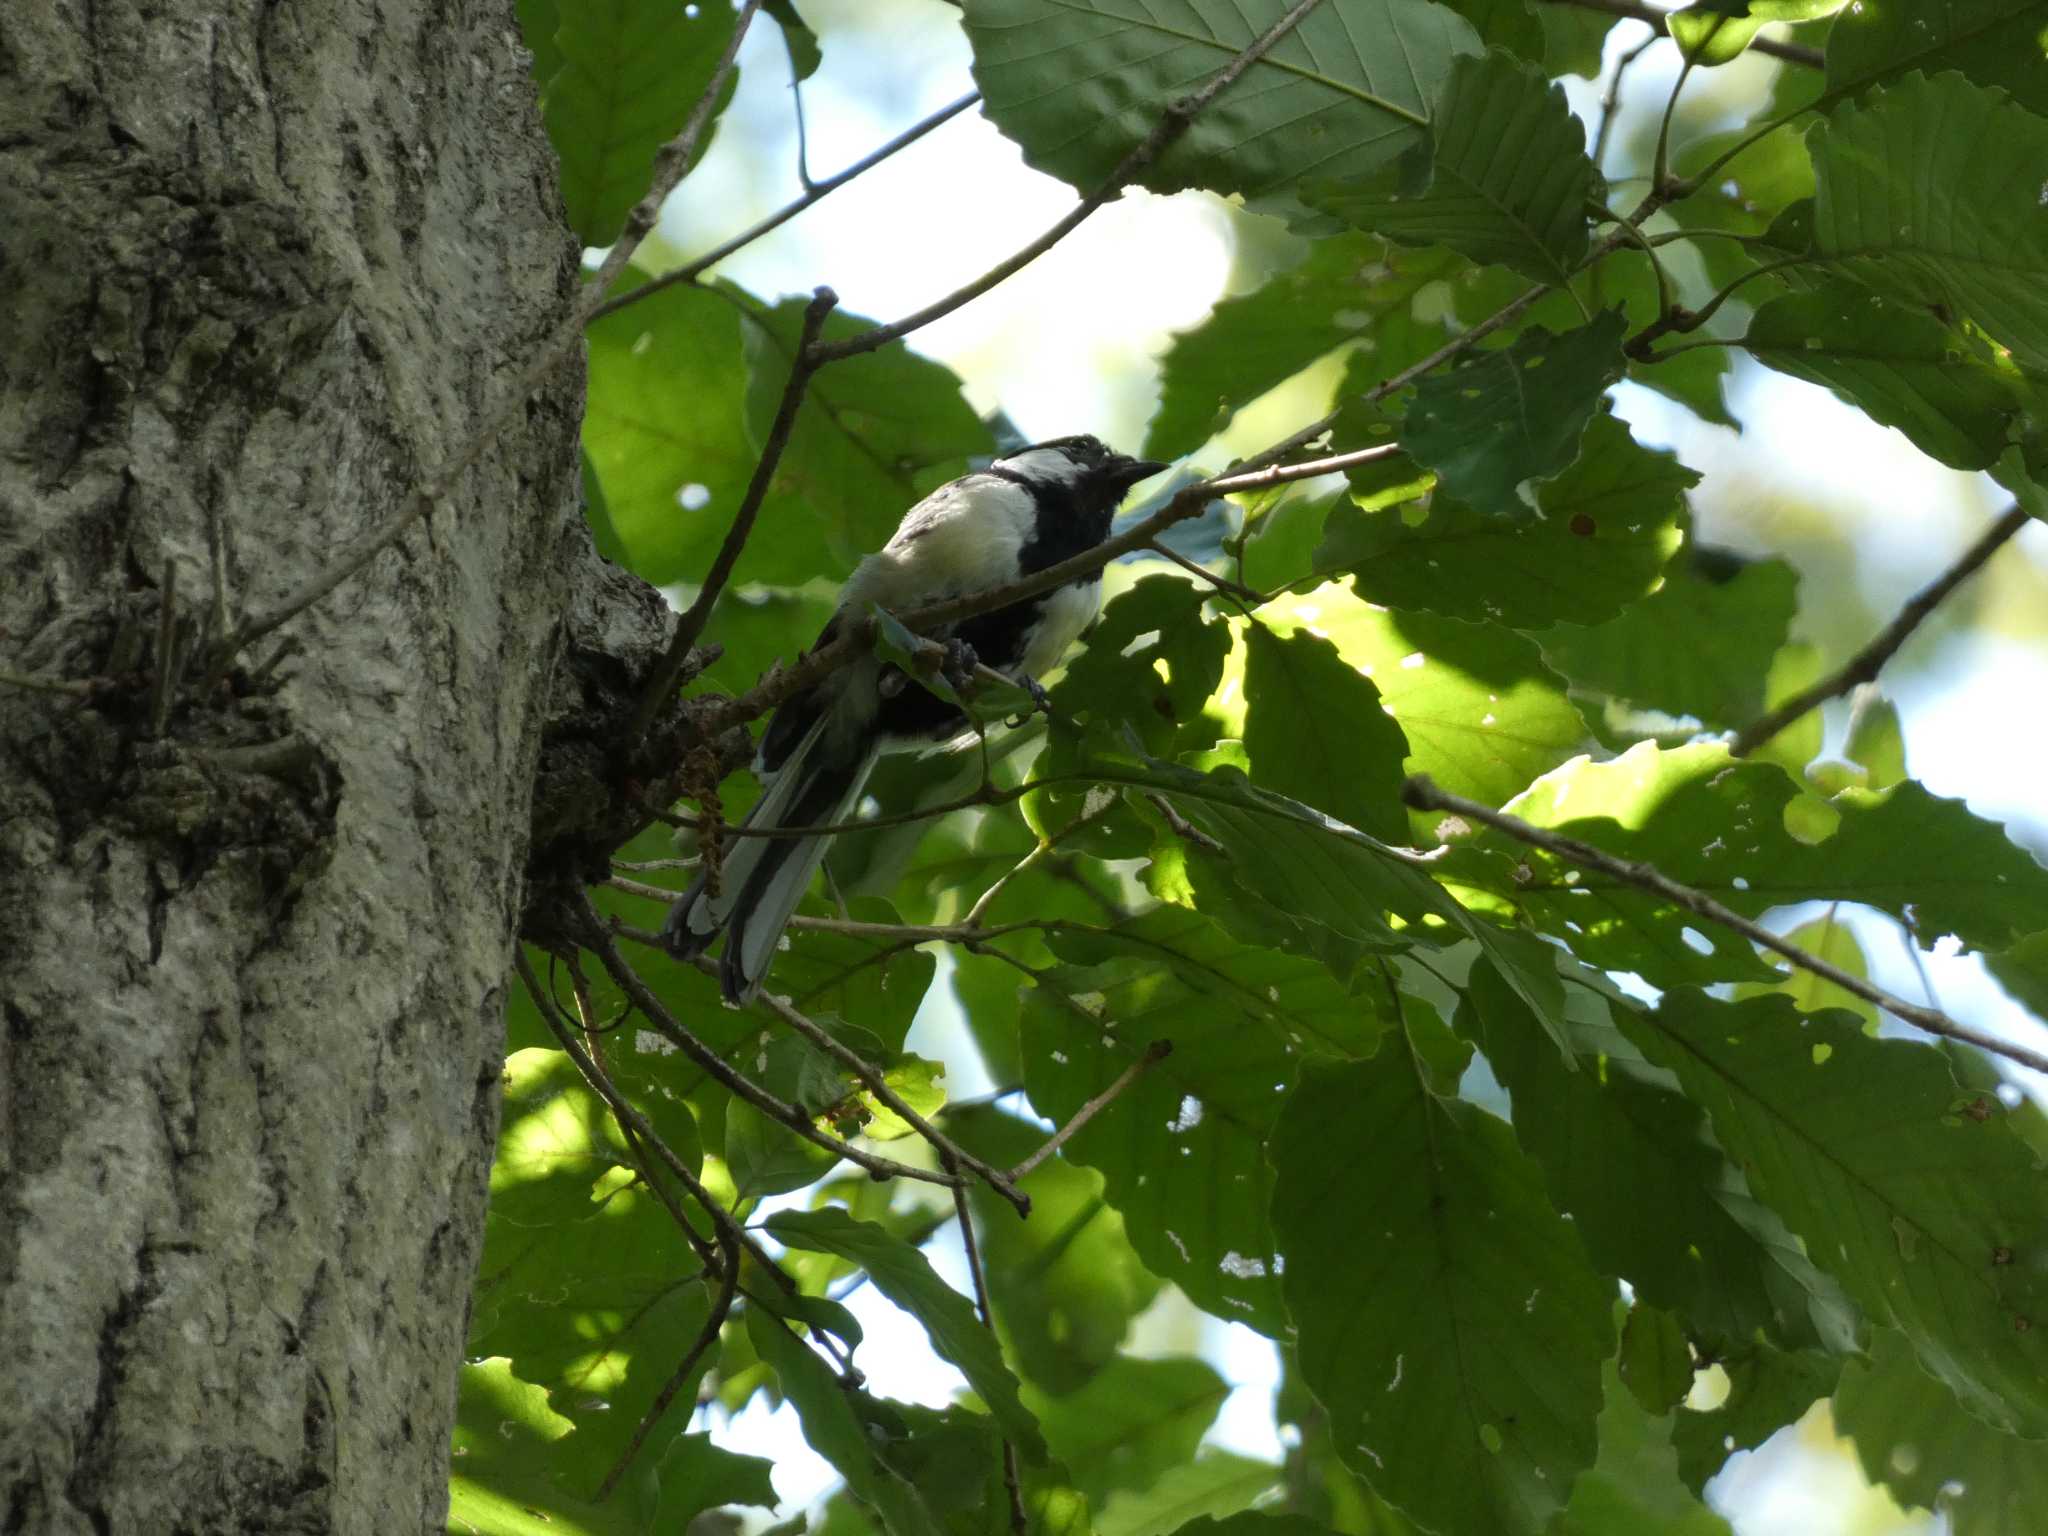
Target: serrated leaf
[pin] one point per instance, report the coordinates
(630, 73)
(1634, 1488)
(1696, 647)
(876, 432)
(1502, 177)
(1316, 731)
(1901, 366)
(1768, 1388)
(1513, 416)
(1078, 83)
(1215, 1485)
(765, 1157)
(1831, 939)
(1448, 1320)
(1153, 659)
(1910, 1191)
(904, 1275)
(1132, 1421)
(1610, 524)
(1929, 193)
(1994, 42)
(1911, 1436)
(500, 1483)
(1509, 24)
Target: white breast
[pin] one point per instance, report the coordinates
(1066, 613)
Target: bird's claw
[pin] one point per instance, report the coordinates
(959, 664)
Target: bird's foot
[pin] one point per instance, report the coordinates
(959, 665)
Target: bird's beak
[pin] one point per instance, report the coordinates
(1131, 471)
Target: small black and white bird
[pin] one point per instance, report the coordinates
(1028, 510)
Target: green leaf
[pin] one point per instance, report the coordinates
(1696, 647)
(1448, 1320)
(1994, 42)
(1509, 24)
(1876, 743)
(1514, 415)
(1065, 1284)
(1253, 1523)
(538, 20)
(1634, 1488)
(1216, 1485)
(664, 429)
(904, 1275)
(1153, 659)
(1502, 178)
(1927, 192)
(1610, 524)
(1912, 1193)
(766, 1157)
(631, 72)
(1911, 1437)
(876, 432)
(1349, 290)
(1768, 1388)
(844, 1425)
(1825, 938)
(505, 1435)
(1078, 83)
(1655, 1361)
(1574, 41)
(1900, 366)
(1713, 31)
(1131, 1422)
(804, 54)
(697, 1475)
(1316, 731)
(1627, 1156)
(2023, 971)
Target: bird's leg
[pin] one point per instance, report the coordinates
(959, 664)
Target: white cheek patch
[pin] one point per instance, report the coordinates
(1049, 465)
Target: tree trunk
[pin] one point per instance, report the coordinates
(261, 263)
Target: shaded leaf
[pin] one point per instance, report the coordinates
(1316, 731)
(1134, 1420)
(1768, 1388)
(1634, 1488)
(1216, 1484)
(1994, 42)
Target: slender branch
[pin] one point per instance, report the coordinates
(690, 271)
(1420, 793)
(1173, 123)
(1157, 1052)
(597, 937)
(721, 1308)
(1013, 1484)
(1864, 666)
(662, 683)
(951, 1155)
(1634, 10)
(1237, 590)
(670, 164)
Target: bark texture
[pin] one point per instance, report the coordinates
(261, 262)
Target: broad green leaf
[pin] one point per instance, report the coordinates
(1348, 290)
(766, 1157)
(1512, 417)
(1827, 938)
(872, 981)
(1767, 1389)
(1078, 83)
(1610, 524)
(1502, 177)
(1719, 826)
(1927, 192)
(1215, 1484)
(1994, 42)
(1655, 1362)
(1182, 1149)
(1912, 1437)
(630, 73)
(1876, 743)
(1480, 712)
(1280, 548)
(663, 426)
(1316, 730)
(1153, 659)
(538, 20)
(1509, 24)
(1901, 366)
(1634, 1488)
(904, 1275)
(1574, 40)
(2022, 970)
(1910, 1191)
(1696, 647)
(1134, 1420)
(500, 1484)
(844, 1425)
(1065, 1284)
(697, 1475)
(1713, 31)
(1628, 1157)
(1448, 1320)
(875, 433)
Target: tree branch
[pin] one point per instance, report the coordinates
(663, 681)
(1158, 1051)
(670, 164)
(690, 271)
(1172, 124)
(1423, 795)
(1864, 666)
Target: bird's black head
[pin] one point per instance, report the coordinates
(1082, 469)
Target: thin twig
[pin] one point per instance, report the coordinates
(1634, 10)
(670, 164)
(597, 937)
(1173, 123)
(663, 681)
(951, 1154)
(1864, 666)
(1013, 1484)
(1420, 793)
(1156, 1052)
(690, 271)
(721, 1308)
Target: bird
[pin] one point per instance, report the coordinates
(1028, 510)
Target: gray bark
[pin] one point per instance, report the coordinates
(261, 262)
